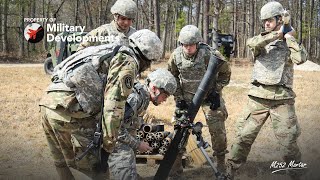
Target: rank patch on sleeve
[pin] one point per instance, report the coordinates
(128, 81)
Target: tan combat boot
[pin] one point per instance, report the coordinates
(64, 173)
(221, 166)
(231, 169)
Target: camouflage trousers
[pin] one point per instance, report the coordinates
(122, 163)
(67, 138)
(285, 126)
(216, 122)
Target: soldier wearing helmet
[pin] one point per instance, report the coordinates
(188, 63)
(159, 85)
(95, 76)
(271, 94)
(124, 12)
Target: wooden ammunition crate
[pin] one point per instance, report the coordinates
(149, 159)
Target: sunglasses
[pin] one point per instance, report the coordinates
(123, 18)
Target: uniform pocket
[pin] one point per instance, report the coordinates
(79, 144)
(57, 115)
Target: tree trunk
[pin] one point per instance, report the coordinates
(300, 21)
(198, 13)
(21, 30)
(244, 29)
(252, 17)
(156, 17)
(235, 27)
(100, 13)
(215, 26)
(175, 42)
(201, 19)
(28, 14)
(4, 27)
(106, 12)
(206, 21)
(172, 37)
(164, 39)
(150, 12)
(77, 12)
(1, 25)
(190, 12)
(137, 15)
(45, 45)
(33, 15)
(317, 49)
(88, 13)
(310, 25)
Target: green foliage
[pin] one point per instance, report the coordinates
(225, 20)
(181, 21)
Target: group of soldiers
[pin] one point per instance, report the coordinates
(98, 84)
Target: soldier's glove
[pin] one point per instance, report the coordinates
(214, 99)
(181, 108)
(286, 27)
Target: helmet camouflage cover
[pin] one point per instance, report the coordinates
(148, 43)
(189, 34)
(163, 79)
(127, 8)
(271, 9)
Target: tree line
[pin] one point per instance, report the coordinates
(239, 18)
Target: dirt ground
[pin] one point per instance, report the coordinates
(24, 152)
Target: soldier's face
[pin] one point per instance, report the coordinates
(270, 24)
(158, 96)
(124, 23)
(189, 49)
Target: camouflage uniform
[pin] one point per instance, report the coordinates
(270, 95)
(72, 104)
(122, 161)
(112, 33)
(189, 72)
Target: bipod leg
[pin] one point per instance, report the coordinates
(218, 175)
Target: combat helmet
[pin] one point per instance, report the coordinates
(189, 34)
(271, 9)
(148, 43)
(163, 79)
(127, 8)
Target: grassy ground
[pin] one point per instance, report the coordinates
(24, 153)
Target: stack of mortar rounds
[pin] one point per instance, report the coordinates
(157, 138)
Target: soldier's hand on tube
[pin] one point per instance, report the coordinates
(181, 108)
(283, 31)
(144, 146)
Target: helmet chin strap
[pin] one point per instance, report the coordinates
(156, 99)
(277, 23)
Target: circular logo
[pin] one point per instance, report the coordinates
(128, 81)
(34, 33)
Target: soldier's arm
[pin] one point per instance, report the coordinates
(94, 33)
(172, 67)
(119, 85)
(131, 112)
(224, 75)
(257, 43)
(224, 71)
(298, 54)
